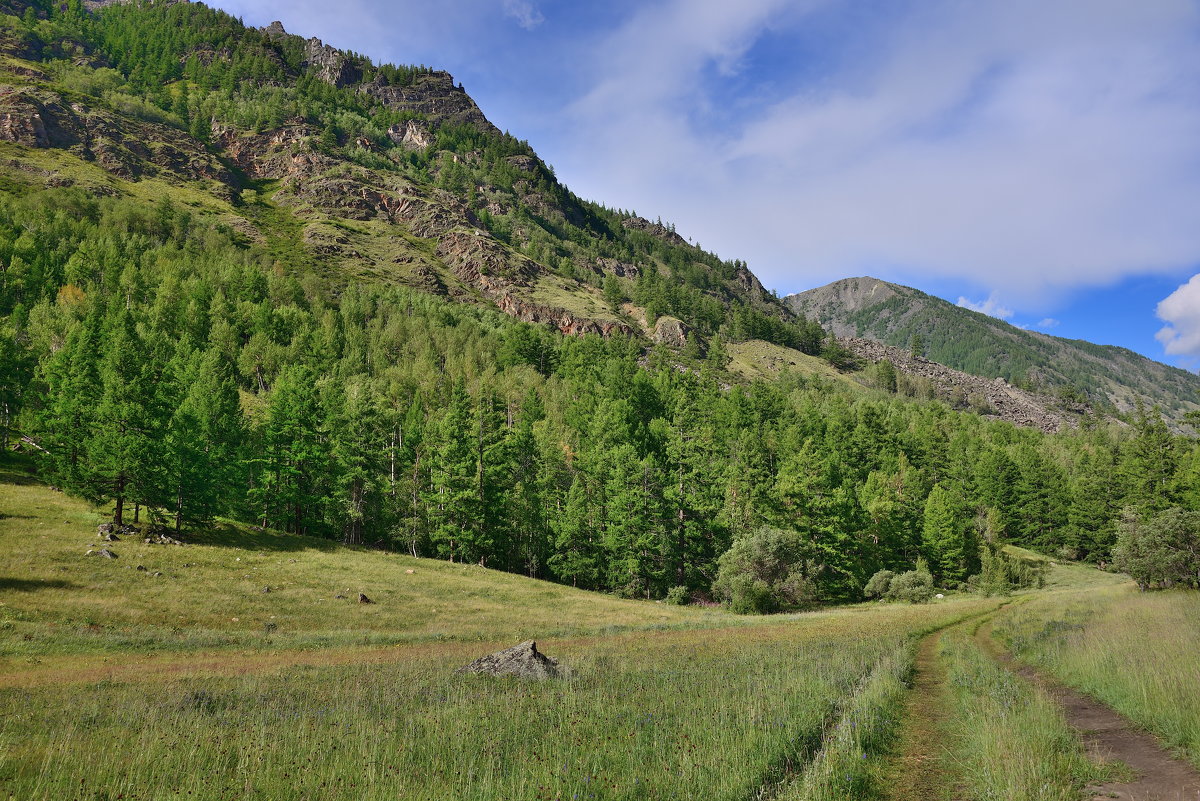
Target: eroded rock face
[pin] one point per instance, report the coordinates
(523, 660)
(330, 64)
(654, 229)
(670, 331)
(434, 96)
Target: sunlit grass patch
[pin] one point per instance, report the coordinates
(1136, 652)
(1009, 740)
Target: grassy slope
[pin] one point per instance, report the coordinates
(757, 359)
(664, 702)
(54, 599)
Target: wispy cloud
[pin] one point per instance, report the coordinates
(1030, 147)
(525, 13)
(1049, 322)
(990, 307)
(1181, 311)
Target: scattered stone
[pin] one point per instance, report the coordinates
(522, 660)
(162, 539)
(110, 537)
(339, 597)
(266, 590)
(107, 554)
(156, 574)
(410, 571)
(939, 595)
(363, 599)
(141, 568)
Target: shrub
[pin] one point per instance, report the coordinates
(915, 586)
(678, 596)
(879, 584)
(765, 571)
(1160, 552)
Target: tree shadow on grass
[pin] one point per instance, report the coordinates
(33, 585)
(224, 535)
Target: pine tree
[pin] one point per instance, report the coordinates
(952, 551)
(122, 451)
(202, 446)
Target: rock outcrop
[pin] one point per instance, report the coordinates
(654, 229)
(670, 331)
(435, 96)
(524, 661)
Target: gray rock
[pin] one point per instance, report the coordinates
(363, 599)
(523, 660)
(107, 554)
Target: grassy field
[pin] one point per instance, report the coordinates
(229, 668)
(233, 692)
(54, 600)
(1136, 652)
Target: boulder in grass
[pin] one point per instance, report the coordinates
(523, 660)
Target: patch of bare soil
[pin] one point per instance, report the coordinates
(1108, 736)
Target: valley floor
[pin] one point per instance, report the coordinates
(237, 673)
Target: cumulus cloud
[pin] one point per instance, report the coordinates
(990, 307)
(525, 13)
(1028, 147)
(1181, 311)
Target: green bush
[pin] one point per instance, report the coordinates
(1162, 551)
(678, 596)
(766, 571)
(914, 586)
(879, 584)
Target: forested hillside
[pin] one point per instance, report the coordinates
(1111, 378)
(218, 301)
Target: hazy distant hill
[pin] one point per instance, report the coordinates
(976, 343)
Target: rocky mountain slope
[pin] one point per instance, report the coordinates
(1111, 378)
(370, 172)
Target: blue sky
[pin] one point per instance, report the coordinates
(1035, 159)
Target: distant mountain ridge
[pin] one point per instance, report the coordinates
(1112, 378)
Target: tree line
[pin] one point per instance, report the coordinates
(159, 364)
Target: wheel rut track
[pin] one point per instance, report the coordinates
(1107, 735)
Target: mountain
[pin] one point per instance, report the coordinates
(373, 172)
(1111, 378)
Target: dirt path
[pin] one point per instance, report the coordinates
(920, 769)
(1109, 736)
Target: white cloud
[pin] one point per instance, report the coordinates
(1181, 311)
(1025, 146)
(990, 307)
(525, 13)
(1049, 322)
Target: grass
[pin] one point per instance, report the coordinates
(1009, 741)
(714, 714)
(757, 359)
(663, 702)
(296, 694)
(1136, 652)
(54, 600)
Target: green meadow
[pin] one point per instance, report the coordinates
(229, 668)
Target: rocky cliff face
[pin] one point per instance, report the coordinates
(125, 147)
